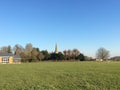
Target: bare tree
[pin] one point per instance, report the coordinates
(66, 54)
(102, 53)
(28, 50)
(28, 47)
(69, 54)
(4, 49)
(76, 52)
(18, 49)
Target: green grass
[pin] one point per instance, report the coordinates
(61, 76)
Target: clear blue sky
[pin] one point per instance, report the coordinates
(83, 24)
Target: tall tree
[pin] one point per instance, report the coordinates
(58, 56)
(28, 47)
(46, 54)
(24, 57)
(75, 53)
(9, 50)
(65, 54)
(18, 49)
(28, 50)
(40, 56)
(102, 53)
(69, 54)
(34, 54)
(53, 56)
(80, 57)
(61, 56)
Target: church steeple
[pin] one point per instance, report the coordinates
(56, 49)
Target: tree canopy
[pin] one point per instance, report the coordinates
(33, 54)
(102, 53)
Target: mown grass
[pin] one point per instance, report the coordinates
(61, 76)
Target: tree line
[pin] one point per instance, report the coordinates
(34, 54)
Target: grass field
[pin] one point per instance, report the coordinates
(61, 76)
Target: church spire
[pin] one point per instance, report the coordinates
(56, 49)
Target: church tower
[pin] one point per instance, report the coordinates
(56, 49)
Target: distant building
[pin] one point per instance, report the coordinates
(9, 58)
(56, 49)
(99, 60)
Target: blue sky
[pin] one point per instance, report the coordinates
(83, 24)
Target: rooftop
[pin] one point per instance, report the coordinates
(5, 54)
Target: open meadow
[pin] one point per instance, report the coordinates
(60, 76)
